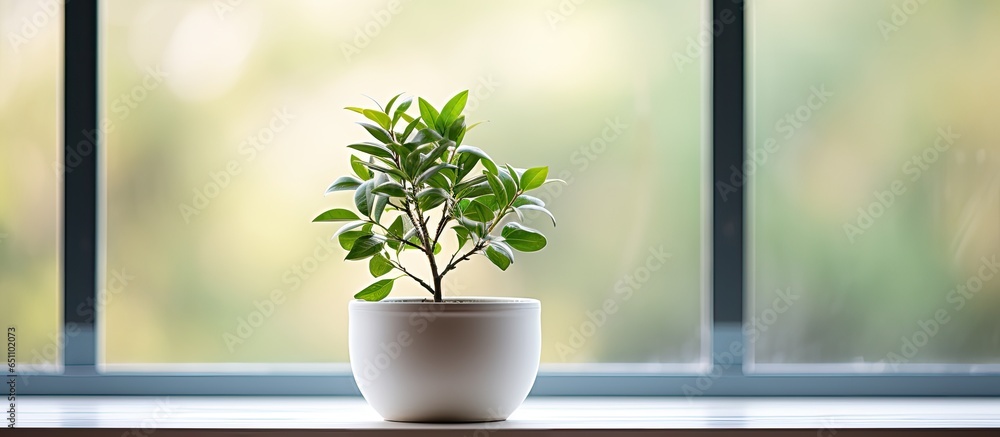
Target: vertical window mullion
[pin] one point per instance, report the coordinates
(80, 186)
(727, 27)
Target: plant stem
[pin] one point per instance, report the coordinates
(400, 267)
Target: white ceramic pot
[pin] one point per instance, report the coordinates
(468, 359)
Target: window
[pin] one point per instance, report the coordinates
(875, 205)
(225, 124)
(30, 183)
(862, 131)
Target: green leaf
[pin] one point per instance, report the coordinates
(497, 186)
(396, 228)
(385, 170)
(473, 125)
(390, 189)
(401, 110)
(425, 136)
(360, 169)
(520, 215)
(363, 198)
(462, 234)
(410, 235)
(377, 132)
(373, 149)
(336, 215)
(454, 108)
(534, 178)
(427, 113)
(409, 119)
(409, 128)
(475, 191)
(475, 228)
(513, 175)
(437, 153)
(487, 161)
(497, 258)
(439, 181)
(508, 184)
(348, 238)
(525, 199)
(388, 106)
(499, 255)
(379, 117)
(352, 225)
(537, 208)
(377, 291)
(430, 198)
(523, 238)
(379, 208)
(379, 265)
(344, 183)
(466, 184)
(490, 201)
(412, 164)
(457, 129)
(355, 109)
(365, 246)
(477, 211)
(466, 163)
(431, 172)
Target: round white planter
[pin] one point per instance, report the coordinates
(468, 359)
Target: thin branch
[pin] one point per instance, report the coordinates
(400, 267)
(415, 223)
(468, 255)
(445, 218)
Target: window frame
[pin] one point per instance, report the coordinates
(724, 374)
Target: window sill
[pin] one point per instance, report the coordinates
(537, 417)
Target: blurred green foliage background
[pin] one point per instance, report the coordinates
(224, 125)
(869, 282)
(30, 180)
(578, 90)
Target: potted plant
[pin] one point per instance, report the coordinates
(437, 359)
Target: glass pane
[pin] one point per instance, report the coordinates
(875, 168)
(228, 125)
(30, 182)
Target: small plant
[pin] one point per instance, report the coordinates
(425, 170)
